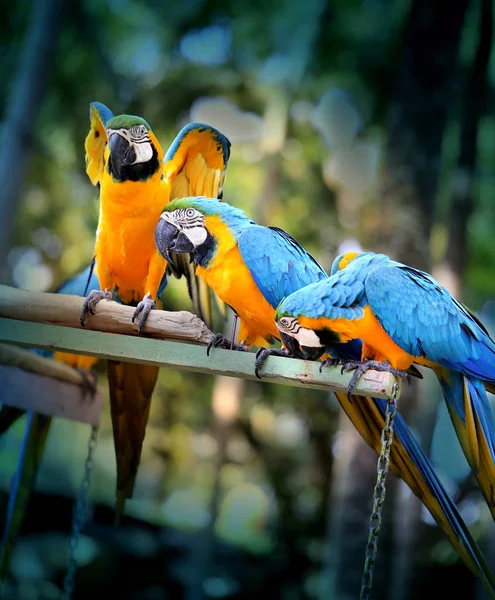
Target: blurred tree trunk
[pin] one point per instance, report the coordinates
(464, 177)
(19, 123)
(399, 223)
(425, 84)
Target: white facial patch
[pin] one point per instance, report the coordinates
(137, 137)
(144, 152)
(305, 337)
(308, 338)
(197, 235)
(190, 222)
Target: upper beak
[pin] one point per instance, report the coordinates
(165, 237)
(292, 345)
(121, 152)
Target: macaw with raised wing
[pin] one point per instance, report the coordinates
(252, 268)
(135, 180)
(403, 316)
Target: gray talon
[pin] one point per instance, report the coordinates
(361, 367)
(143, 308)
(263, 353)
(89, 385)
(329, 362)
(90, 303)
(218, 340)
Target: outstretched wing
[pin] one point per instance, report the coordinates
(425, 320)
(278, 264)
(195, 165)
(96, 139)
(196, 162)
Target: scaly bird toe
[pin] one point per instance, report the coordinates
(329, 362)
(89, 384)
(90, 303)
(263, 353)
(143, 308)
(218, 340)
(361, 367)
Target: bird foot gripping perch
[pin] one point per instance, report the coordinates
(360, 368)
(143, 308)
(90, 303)
(89, 384)
(263, 353)
(218, 340)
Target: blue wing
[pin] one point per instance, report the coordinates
(76, 285)
(104, 112)
(277, 263)
(340, 296)
(425, 320)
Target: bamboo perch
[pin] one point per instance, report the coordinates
(111, 317)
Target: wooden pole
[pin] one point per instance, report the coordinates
(111, 317)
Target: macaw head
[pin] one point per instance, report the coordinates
(196, 225)
(343, 260)
(134, 153)
(300, 341)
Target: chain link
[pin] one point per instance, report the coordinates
(79, 516)
(379, 494)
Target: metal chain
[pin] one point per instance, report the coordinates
(79, 516)
(379, 494)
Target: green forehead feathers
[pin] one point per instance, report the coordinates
(126, 122)
(204, 205)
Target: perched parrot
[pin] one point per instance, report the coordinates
(37, 429)
(135, 180)
(252, 268)
(403, 316)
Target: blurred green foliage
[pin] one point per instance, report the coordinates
(302, 91)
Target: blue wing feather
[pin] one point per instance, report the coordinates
(338, 296)
(425, 320)
(223, 142)
(277, 263)
(104, 112)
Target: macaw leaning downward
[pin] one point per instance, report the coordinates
(403, 316)
(252, 268)
(125, 160)
(37, 429)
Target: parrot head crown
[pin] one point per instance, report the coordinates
(134, 151)
(183, 227)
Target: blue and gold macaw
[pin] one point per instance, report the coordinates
(135, 180)
(252, 268)
(37, 429)
(403, 316)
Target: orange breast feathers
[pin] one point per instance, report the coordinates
(377, 344)
(127, 257)
(75, 360)
(231, 280)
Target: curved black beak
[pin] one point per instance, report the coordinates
(292, 345)
(121, 152)
(304, 352)
(165, 236)
(313, 353)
